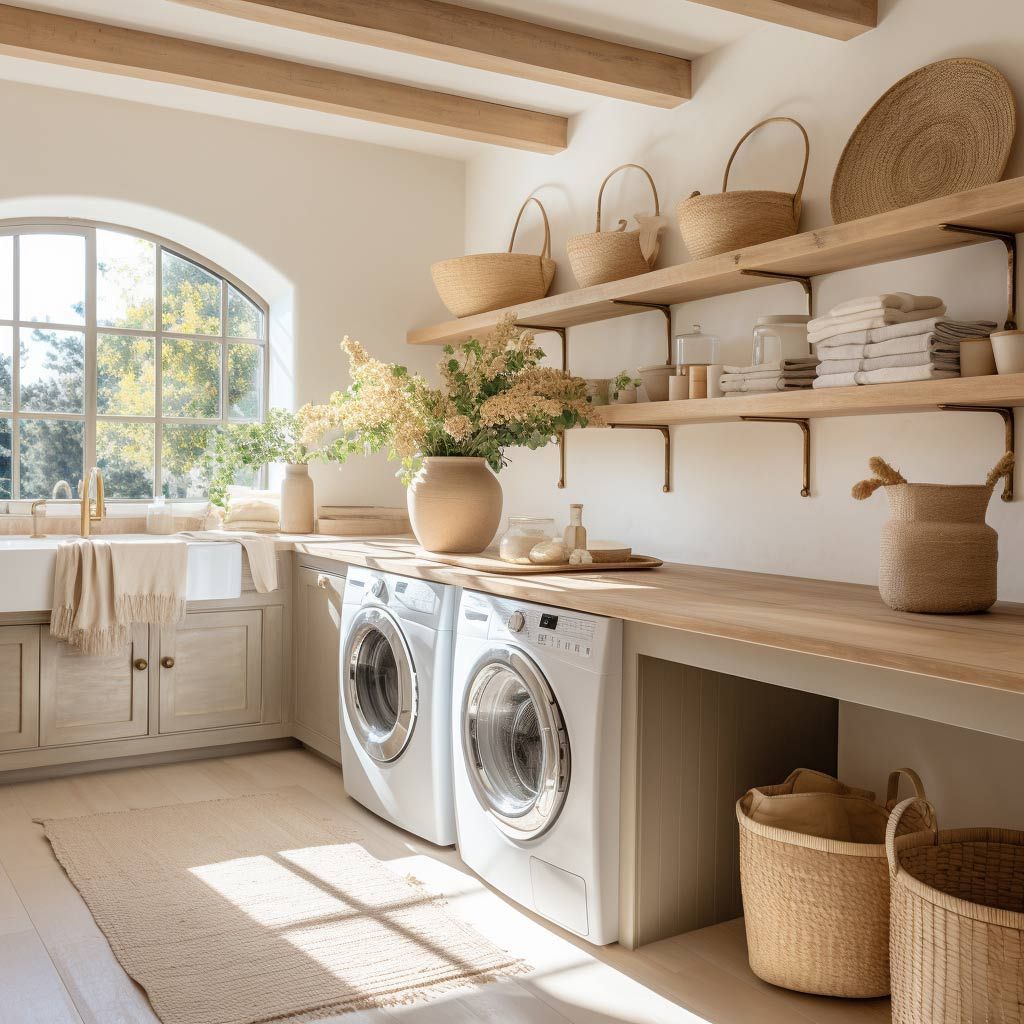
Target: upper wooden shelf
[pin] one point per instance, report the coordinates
(918, 396)
(899, 234)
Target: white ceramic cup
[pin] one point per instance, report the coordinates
(1008, 349)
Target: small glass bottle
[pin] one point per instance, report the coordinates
(575, 536)
(160, 518)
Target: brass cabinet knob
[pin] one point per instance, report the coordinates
(167, 662)
(323, 582)
(141, 664)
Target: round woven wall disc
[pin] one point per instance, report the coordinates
(945, 128)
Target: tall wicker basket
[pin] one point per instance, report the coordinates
(720, 223)
(817, 907)
(612, 255)
(957, 925)
(494, 280)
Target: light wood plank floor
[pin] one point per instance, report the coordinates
(56, 966)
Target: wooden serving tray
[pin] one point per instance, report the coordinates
(487, 562)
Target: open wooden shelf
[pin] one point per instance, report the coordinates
(899, 234)
(877, 399)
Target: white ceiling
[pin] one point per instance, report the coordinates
(673, 26)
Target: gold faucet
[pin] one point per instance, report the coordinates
(92, 513)
(36, 506)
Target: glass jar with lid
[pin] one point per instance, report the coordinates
(523, 534)
(777, 338)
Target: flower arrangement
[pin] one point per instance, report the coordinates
(623, 381)
(242, 446)
(494, 394)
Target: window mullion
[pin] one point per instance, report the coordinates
(16, 378)
(158, 433)
(91, 360)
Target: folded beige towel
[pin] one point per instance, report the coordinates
(940, 328)
(902, 301)
(829, 327)
(883, 362)
(891, 375)
(253, 525)
(102, 588)
(260, 551)
(253, 512)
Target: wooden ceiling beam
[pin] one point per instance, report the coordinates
(480, 39)
(839, 19)
(95, 46)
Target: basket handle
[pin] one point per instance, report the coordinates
(611, 174)
(546, 250)
(807, 155)
(893, 826)
(892, 794)
(1004, 467)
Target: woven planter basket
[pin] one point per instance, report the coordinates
(603, 256)
(957, 924)
(816, 907)
(714, 224)
(938, 554)
(494, 280)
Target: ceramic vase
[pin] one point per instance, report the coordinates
(297, 500)
(455, 505)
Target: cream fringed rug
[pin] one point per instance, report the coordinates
(250, 910)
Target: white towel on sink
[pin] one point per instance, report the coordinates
(101, 589)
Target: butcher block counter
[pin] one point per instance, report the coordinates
(844, 622)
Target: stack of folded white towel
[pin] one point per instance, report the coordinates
(787, 375)
(253, 510)
(887, 339)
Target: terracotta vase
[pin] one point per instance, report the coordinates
(455, 505)
(297, 500)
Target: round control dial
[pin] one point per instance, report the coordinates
(516, 622)
(378, 588)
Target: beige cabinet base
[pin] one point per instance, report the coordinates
(19, 687)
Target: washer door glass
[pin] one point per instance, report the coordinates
(515, 744)
(380, 685)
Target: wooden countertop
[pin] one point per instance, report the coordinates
(844, 621)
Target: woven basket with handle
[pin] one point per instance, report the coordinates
(720, 223)
(957, 924)
(816, 905)
(494, 280)
(612, 255)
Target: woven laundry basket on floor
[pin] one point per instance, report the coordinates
(957, 924)
(817, 905)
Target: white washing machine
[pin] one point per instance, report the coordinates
(536, 702)
(396, 662)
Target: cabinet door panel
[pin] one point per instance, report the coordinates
(19, 687)
(93, 697)
(318, 598)
(215, 679)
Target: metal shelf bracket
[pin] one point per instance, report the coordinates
(1009, 426)
(666, 487)
(665, 309)
(1010, 241)
(563, 334)
(805, 427)
(804, 282)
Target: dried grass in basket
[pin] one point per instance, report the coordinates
(493, 280)
(957, 924)
(816, 906)
(714, 224)
(603, 256)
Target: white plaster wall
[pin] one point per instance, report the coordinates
(336, 235)
(736, 496)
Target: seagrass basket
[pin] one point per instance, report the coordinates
(713, 224)
(602, 256)
(494, 280)
(957, 924)
(816, 900)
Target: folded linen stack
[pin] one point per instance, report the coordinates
(788, 375)
(252, 510)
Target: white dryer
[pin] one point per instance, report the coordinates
(395, 702)
(536, 702)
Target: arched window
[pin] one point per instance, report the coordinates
(119, 350)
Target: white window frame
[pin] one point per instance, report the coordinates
(87, 229)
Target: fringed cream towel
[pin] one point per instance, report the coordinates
(260, 551)
(101, 589)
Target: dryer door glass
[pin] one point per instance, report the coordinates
(515, 745)
(380, 685)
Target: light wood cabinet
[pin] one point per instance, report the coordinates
(93, 697)
(317, 632)
(211, 671)
(19, 687)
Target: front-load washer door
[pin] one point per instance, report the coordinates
(379, 690)
(515, 744)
